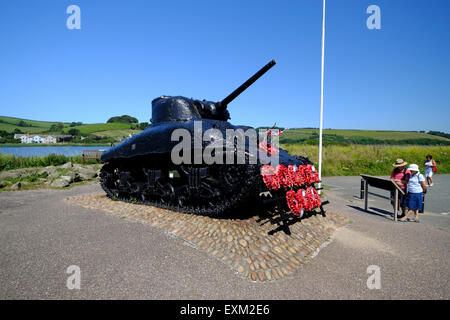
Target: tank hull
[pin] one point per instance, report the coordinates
(141, 170)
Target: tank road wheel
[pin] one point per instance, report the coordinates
(231, 177)
(167, 192)
(182, 197)
(198, 190)
(109, 180)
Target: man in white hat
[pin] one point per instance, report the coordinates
(416, 190)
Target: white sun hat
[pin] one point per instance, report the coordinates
(413, 167)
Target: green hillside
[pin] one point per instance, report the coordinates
(376, 134)
(9, 124)
(309, 136)
(365, 137)
(117, 133)
(87, 129)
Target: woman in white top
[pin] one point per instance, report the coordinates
(416, 189)
(429, 165)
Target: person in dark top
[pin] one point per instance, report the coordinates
(400, 175)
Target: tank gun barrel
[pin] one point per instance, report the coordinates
(246, 84)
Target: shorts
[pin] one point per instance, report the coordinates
(429, 173)
(414, 201)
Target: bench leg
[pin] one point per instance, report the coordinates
(361, 195)
(366, 194)
(395, 204)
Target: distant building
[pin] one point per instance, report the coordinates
(36, 138)
(49, 139)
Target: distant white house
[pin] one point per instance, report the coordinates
(49, 139)
(36, 138)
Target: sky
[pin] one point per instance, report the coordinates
(129, 52)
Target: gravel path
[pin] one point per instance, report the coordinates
(42, 235)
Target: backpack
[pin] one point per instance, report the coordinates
(404, 174)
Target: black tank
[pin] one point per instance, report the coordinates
(141, 168)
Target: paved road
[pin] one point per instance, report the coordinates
(42, 235)
(437, 199)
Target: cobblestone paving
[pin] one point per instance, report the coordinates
(242, 244)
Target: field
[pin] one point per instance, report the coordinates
(374, 160)
(117, 133)
(9, 124)
(364, 137)
(376, 134)
(87, 129)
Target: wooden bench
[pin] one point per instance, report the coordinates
(91, 154)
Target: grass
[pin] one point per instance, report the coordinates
(33, 123)
(9, 124)
(70, 144)
(117, 133)
(9, 162)
(11, 127)
(87, 129)
(374, 134)
(374, 160)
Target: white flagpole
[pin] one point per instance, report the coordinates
(321, 96)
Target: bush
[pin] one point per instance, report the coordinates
(9, 162)
(22, 123)
(124, 119)
(94, 139)
(440, 134)
(56, 127)
(74, 132)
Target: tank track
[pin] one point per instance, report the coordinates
(208, 191)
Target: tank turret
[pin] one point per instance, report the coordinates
(171, 109)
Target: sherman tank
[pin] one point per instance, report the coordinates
(142, 169)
